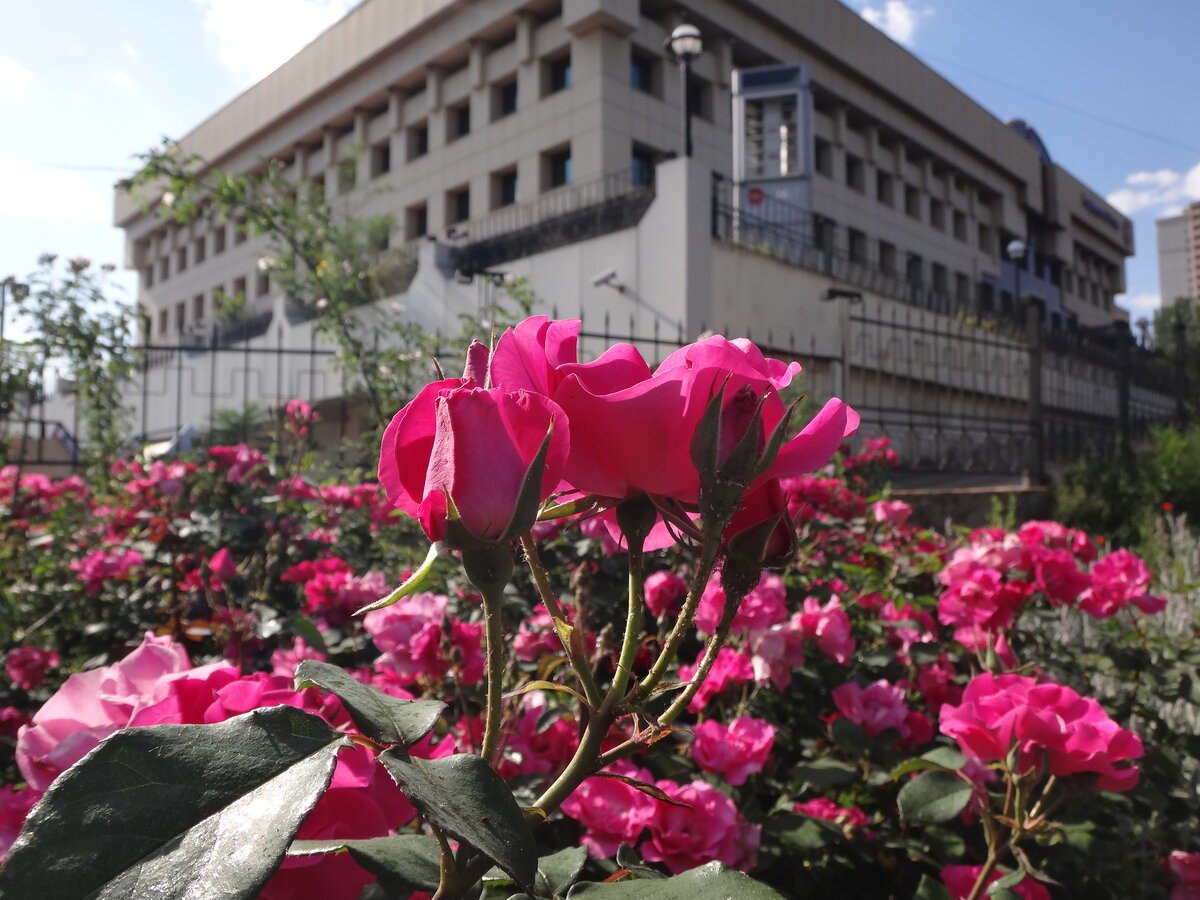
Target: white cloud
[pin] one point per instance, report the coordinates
(253, 39)
(130, 51)
(898, 19)
(1164, 191)
(1139, 305)
(45, 194)
(15, 79)
(121, 78)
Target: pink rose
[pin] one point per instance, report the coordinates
(664, 593)
(101, 566)
(1056, 574)
(612, 811)
(11, 720)
(92, 705)
(959, 881)
(891, 512)
(285, 662)
(980, 602)
(1047, 722)
(1184, 868)
(712, 828)
(1118, 580)
(222, 565)
(765, 605)
(14, 807)
(394, 629)
(829, 626)
(850, 819)
(474, 446)
(736, 751)
(532, 355)
(27, 666)
(535, 748)
(729, 668)
(777, 651)
(877, 707)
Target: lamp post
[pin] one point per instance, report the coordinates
(685, 45)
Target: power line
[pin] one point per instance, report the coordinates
(1112, 123)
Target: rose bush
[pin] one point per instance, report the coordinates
(892, 712)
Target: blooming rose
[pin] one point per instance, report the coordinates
(612, 811)
(959, 881)
(222, 565)
(1118, 580)
(14, 807)
(712, 828)
(11, 720)
(980, 602)
(473, 447)
(736, 751)
(777, 651)
(829, 626)
(729, 668)
(1047, 722)
(285, 662)
(891, 512)
(765, 605)
(27, 666)
(664, 592)
(102, 565)
(1185, 870)
(877, 707)
(850, 819)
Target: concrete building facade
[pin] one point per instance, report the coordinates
(1179, 255)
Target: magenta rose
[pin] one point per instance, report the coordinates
(611, 811)
(1118, 580)
(765, 605)
(848, 818)
(473, 447)
(664, 593)
(1050, 724)
(736, 751)
(877, 707)
(14, 807)
(27, 666)
(709, 828)
(829, 626)
(959, 881)
(1184, 869)
(891, 512)
(728, 669)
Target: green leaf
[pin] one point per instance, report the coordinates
(1011, 880)
(931, 889)
(825, 773)
(713, 881)
(558, 871)
(545, 686)
(465, 797)
(941, 758)
(382, 718)
(922, 654)
(176, 810)
(933, 797)
(402, 863)
(849, 735)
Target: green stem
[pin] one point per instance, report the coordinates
(494, 637)
(633, 623)
(981, 882)
(541, 579)
(582, 764)
(683, 624)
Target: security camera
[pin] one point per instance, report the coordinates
(603, 278)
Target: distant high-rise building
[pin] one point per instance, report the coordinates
(1179, 255)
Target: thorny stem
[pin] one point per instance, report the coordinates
(494, 634)
(633, 623)
(583, 671)
(708, 560)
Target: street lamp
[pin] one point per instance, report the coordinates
(685, 45)
(1016, 251)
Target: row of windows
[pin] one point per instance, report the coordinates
(198, 307)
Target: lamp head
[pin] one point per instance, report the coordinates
(686, 42)
(1016, 250)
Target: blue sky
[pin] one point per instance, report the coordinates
(85, 85)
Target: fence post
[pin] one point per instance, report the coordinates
(1124, 372)
(1181, 373)
(1037, 448)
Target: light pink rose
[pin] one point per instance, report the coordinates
(891, 512)
(285, 662)
(777, 651)
(712, 828)
(877, 707)
(829, 626)
(664, 593)
(736, 751)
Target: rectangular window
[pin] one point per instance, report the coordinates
(219, 240)
(941, 279)
(937, 214)
(262, 285)
(824, 230)
(458, 121)
(855, 173)
(962, 287)
(885, 188)
(164, 268)
(823, 152)
(960, 226)
(418, 141)
(239, 288)
(556, 168)
(504, 99)
(180, 317)
(148, 277)
(985, 240)
(914, 269)
(198, 307)
(772, 139)
(504, 188)
(644, 160)
(458, 205)
(199, 250)
(643, 72)
(912, 201)
(416, 222)
(887, 257)
(181, 259)
(858, 246)
(239, 226)
(556, 74)
(700, 97)
(164, 322)
(347, 175)
(381, 159)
